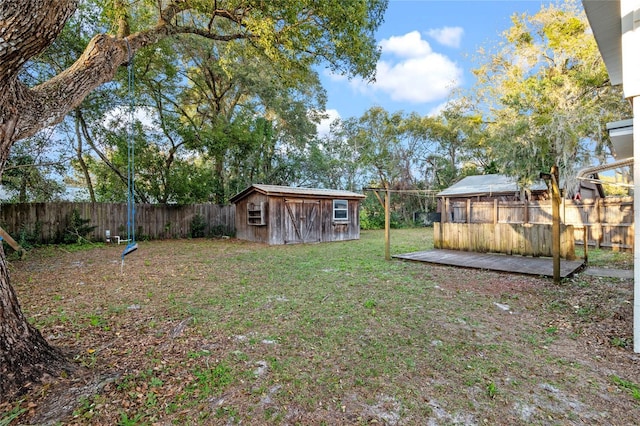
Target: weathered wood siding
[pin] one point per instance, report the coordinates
(295, 220)
(339, 230)
(513, 238)
(607, 222)
(252, 232)
(46, 222)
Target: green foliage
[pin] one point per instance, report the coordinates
(28, 237)
(211, 117)
(77, 229)
(547, 95)
(198, 227)
(210, 381)
(136, 420)
(630, 387)
(492, 390)
(371, 213)
(402, 152)
(29, 173)
(620, 342)
(458, 144)
(219, 231)
(7, 418)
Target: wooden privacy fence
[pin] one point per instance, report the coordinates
(602, 222)
(508, 238)
(46, 222)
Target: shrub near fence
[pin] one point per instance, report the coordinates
(46, 222)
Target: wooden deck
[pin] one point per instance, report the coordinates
(494, 262)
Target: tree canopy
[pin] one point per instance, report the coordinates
(296, 34)
(545, 94)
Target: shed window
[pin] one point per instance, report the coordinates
(340, 210)
(256, 214)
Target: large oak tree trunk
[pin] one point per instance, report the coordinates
(28, 27)
(25, 356)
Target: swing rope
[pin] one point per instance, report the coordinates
(132, 245)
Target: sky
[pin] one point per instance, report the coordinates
(428, 49)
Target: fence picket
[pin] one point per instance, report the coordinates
(610, 221)
(46, 222)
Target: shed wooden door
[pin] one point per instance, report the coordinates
(301, 221)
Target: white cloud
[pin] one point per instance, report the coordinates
(409, 71)
(119, 117)
(447, 36)
(409, 45)
(324, 127)
(418, 80)
(412, 72)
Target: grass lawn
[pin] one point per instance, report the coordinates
(232, 332)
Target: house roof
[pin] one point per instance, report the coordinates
(297, 192)
(621, 135)
(608, 26)
(487, 185)
(604, 18)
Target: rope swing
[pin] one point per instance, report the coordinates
(132, 245)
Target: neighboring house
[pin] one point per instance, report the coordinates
(285, 215)
(505, 188)
(483, 188)
(491, 187)
(499, 188)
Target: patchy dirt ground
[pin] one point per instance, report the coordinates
(226, 332)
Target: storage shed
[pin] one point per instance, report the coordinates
(275, 214)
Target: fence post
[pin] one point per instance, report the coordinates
(585, 239)
(555, 226)
(468, 218)
(599, 214)
(495, 211)
(444, 217)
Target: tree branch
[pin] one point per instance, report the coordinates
(28, 29)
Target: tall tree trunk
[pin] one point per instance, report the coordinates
(219, 179)
(22, 193)
(83, 164)
(25, 356)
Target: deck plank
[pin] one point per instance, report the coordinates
(494, 262)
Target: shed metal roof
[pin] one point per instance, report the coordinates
(295, 191)
(487, 185)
